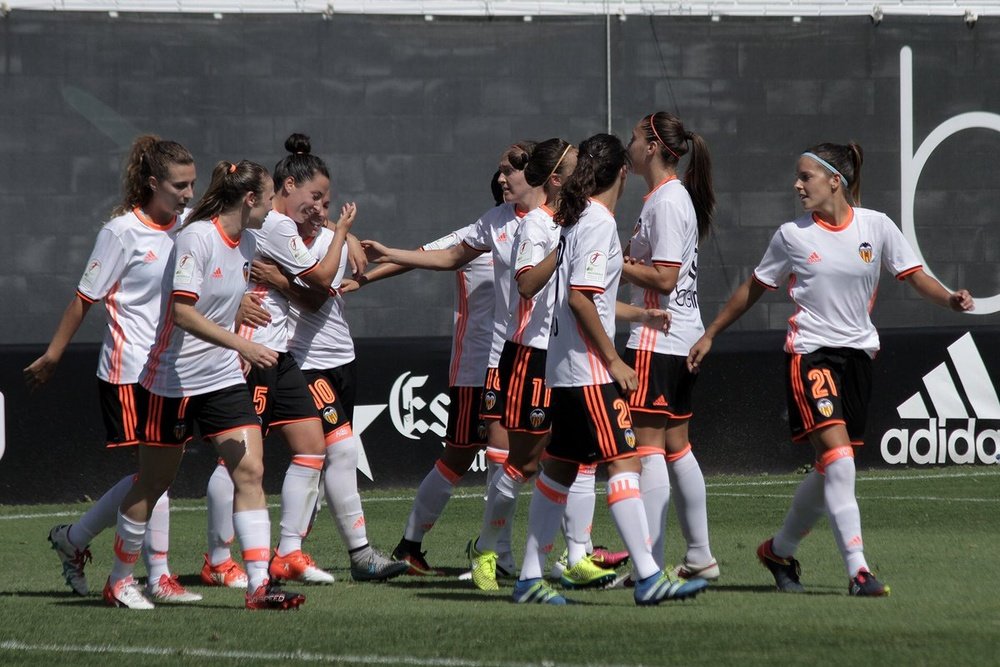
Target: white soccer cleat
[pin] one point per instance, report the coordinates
(169, 589)
(73, 559)
(708, 571)
(126, 593)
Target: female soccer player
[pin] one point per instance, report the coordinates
(193, 376)
(588, 380)
(663, 269)
(124, 271)
(831, 258)
(494, 232)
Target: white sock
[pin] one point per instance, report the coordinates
(128, 543)
(219, 499)
(495, 460)
(625, 503)
(501, 503)
(691, 501)
(156, 543)
(807, 507)
(842, 510)
(548, 504)
(298, 500)
(102, 515)
(654, 481)
(253, 528)
(432, 497)
(340, 483)
(578, 518)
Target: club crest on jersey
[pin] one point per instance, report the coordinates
(180, 428)
(91, 274)
(536, 417)
(184, 271)
(825, 407)
(490, 399)
(597, 264)
(630, 438)
(246, 272)
(330, 415)
(866, 252)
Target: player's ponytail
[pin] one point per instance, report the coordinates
(230, 183)
(667, 131)
(598, 164)
(149, 156)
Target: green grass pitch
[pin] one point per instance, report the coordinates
(933, 535)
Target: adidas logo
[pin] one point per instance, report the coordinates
(958, 395)
(150, 257)
(814, 257)
(660, 402)
(217, 273)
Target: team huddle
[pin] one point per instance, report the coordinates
(226, 319)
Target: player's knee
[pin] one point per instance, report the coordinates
(342, 454)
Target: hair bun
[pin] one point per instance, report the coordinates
(298, 144)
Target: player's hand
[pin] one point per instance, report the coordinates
(375, 251)
(356, 256)
(40, 371)
(347, 286)
(258, 355)
(698, 352)
(656, 318)
(252, 312)
(961, 301)
(633, 261)
(267, 272)
(624, 375)
(347, 214)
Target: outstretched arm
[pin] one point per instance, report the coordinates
(41, 369)
(930, 289)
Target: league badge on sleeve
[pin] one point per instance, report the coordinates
(92, 273)
(596, 268)
(184, 272)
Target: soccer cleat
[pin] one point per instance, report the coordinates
(126, 593)
(708, 571)
(228, 574)
(169, 589)
(560, 566)
(271, 597)
(536, 591)
(609, 559)
(864, 584)
(656, 588)
(786, 571)
(623, 580)
(73, 559)
(483, 566)
(415, 558)
(586, 574)
(297, 566)
(378, 567)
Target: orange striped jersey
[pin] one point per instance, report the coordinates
(212, 268)
(472, 337)
(590, 259)
(666, 234)
(321, 339)
(495, 232)
(126, 270)
(832, 275)
(529, 321)
(279, 240)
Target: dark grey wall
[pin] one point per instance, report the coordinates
(412, 115)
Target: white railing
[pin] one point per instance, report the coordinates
(969, 10)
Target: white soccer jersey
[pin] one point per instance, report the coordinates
(321, 340)
(590, 259)
(472, 339)
(495, 232)
(126, 270)
(529, 319)
(666, 234)
(214, 269)
(832, 275)
(279, 240)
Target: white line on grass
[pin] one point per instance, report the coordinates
(293, 656)
(710, 485)
(932, 499)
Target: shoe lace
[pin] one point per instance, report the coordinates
(169, 585)
(81, 558)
